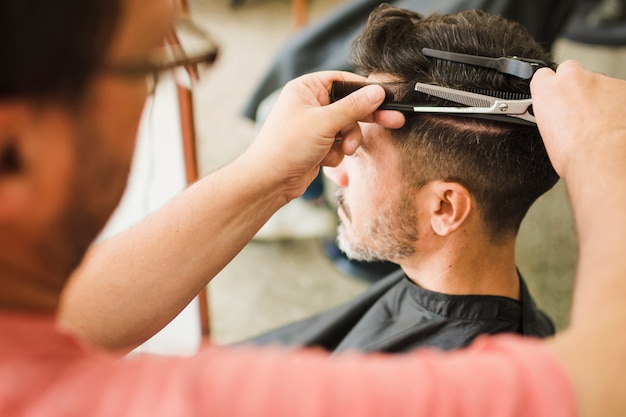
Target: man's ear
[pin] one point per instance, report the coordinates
(450, 205)
(13, 122)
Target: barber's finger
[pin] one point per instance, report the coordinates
(390, 119)
(569, 65)
(350, 139)
(540, 90)
(540, 76)
(334, 156)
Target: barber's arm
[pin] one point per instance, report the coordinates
(582, 119)
(131, 285)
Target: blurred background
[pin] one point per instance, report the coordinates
(274, 282)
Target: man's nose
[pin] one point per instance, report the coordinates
(338, 174)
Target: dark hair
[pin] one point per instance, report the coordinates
(50, 49)
(505, 166)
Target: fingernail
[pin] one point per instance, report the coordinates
(375, 92)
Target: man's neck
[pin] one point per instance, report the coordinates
(21, 295)
(29, 284)
(459, 269)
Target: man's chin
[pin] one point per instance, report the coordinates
(353, 252)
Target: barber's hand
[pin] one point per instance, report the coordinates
(304, 131)
(581, 116)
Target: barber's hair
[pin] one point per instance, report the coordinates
(504, 166)
(51, 48)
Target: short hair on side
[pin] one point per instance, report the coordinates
(505, 166)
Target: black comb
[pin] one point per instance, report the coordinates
(512, 65)
(398, 96)
(403, 97)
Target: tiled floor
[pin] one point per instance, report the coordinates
(273, 283)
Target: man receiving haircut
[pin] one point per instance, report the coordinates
(443, 196)
(67, 127)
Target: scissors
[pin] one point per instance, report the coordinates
(513, 111)
(422, 98)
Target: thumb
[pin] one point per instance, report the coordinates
(541, 76)
(357, 106)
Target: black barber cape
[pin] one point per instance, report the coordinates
(396, 315)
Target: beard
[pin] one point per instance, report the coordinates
(390, 236)
(63, 244)
(99, 184)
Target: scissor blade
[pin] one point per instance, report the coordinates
(456, 96)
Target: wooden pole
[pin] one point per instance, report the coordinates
(188, 134)
(298, 12)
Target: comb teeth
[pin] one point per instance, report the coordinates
(505, 95)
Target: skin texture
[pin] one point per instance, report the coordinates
(138, 264)
(62, 172)
(587, 145)
(71, 170)
(434, 232)
(593, 171)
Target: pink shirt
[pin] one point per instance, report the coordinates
(44, 372)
